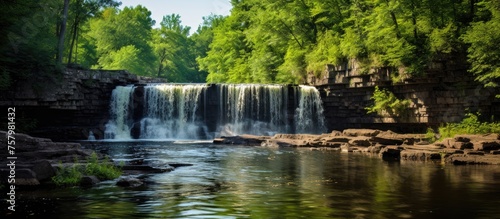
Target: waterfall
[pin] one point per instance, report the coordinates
(201, 111)
(252, 109)
(171, 112)
(309, 112)
(120, 121)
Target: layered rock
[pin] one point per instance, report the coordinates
(388, 145)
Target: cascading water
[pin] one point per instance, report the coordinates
(252, 109)
(171, 112)
(200, 111)
(309, 107)
(120, 121)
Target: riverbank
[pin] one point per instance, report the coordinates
(35, 161)
(388, 145)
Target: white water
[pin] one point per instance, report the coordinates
(252, 109)
(170, 112)
(309, 112)
(180, 111)
(118, 127)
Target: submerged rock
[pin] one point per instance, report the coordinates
(129, 182)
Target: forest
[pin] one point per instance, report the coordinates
(261, 41)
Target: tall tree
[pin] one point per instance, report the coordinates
(80, 12)
(62, 33)
(119, 34)
(484, 38)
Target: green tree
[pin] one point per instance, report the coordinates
(27, 40)
(173, 48)
(484, 40)
(79, 12)
(114, 30)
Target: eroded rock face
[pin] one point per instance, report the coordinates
(388, 145)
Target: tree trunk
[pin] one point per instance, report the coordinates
(60, 45)
(73, 39)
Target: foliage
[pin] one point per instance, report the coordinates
(386, 101)
(469, 125)
(484, 38)
(67, 176)
(71, 175)
(261, 41)
(103, 170)
(430, 135)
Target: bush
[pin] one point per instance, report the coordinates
(385, 100)
(68, 176)
(469, 125)
(102, 170)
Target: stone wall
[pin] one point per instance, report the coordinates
(444, 94)
(66, 107)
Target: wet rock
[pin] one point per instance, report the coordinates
(249, 140)
(176, 165)
(361, 132)
(26, 177)
(146, 168)
(43, 170)
(390, 153)
(487, 145)
(129, 182)
(361, 141)
(419, 155)
(463, 159)
(89, 181)
(346, 148)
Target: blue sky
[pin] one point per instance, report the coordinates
(191, 11)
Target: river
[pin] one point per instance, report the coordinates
(258, 182)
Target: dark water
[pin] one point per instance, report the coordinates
(256, 182)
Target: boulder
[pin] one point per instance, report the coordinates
(43, 170)
(89, 181)
(26, 177)
(390, 153)
(129, 182)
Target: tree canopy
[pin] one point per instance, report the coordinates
(261, 41)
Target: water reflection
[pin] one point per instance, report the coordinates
(255, 182)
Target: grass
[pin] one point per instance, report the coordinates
(469, 125)
(104, 170)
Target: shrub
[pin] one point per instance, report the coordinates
(102, 170)
(67, 176)
(469, 125)
(385, 100)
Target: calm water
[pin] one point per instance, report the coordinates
(256, 182)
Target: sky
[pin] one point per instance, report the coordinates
(191, 11)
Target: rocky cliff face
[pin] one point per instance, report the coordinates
(68, 107)
(444, 93)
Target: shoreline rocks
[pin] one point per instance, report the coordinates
(388, 145)
(38, 160)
